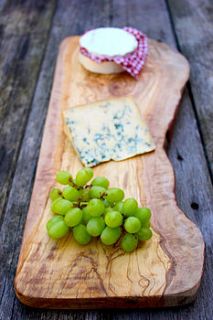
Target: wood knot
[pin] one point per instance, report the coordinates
(194, 205)
(120, 86)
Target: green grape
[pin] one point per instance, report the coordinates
(71, 194)
(81, 235)
(106, 203)
(63, 177)
(109, 209)
(96, 210)
(97, 192)
(89, 171)
(86, 216)
(146, 224)
(132, 225)
(109, 236)
(144, 234)
(55, 193)
(95, 207)
(113, 219)
(129, 242)
(53, 220)
(119, 206)
(84, 194)
(114, 195)
(101, 182)
(95, 226)
(73, 217)
(130, 206)
(83, 176)
(57, 230)
(144, 215)
(61, 206)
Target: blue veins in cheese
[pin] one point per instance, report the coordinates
(107, 130)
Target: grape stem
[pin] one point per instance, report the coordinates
(80, 203)
(72, 184)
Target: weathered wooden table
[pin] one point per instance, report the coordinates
(30, 33)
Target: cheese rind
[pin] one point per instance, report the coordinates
(107, 130)
(106, 67)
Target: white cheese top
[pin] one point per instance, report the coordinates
(108, 42)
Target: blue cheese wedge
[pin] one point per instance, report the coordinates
(107, 130)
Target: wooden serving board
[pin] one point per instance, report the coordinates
(164, 271)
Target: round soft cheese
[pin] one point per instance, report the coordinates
(108, 42)
(106, 67)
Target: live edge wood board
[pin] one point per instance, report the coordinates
(164, 271)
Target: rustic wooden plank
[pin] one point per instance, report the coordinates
(191, 171)
(192, 21)
(55, 285)
(15, 214)
(195, 198)
(11, 233)
(189, 179)
(24, 28)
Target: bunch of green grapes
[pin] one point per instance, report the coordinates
(96, 210)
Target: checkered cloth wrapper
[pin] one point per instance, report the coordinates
(132, 62)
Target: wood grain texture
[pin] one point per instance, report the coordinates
(192, 21)
(96, 276)
(192, 178)
(24, 171)
(23, 35)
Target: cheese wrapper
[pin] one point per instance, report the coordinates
(132, 62)
(107, 130)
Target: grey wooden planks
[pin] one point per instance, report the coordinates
(24, 28)
(193, 25)
(193, 183)
(18, 201)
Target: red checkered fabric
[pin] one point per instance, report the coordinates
(132, 62)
